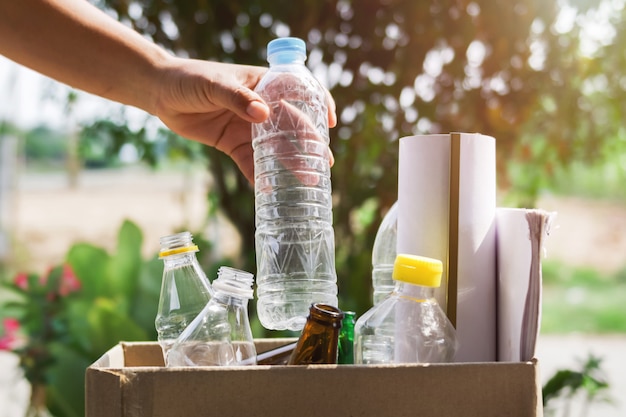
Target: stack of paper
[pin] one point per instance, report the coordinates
(520, 235)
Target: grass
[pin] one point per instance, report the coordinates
(582, 300)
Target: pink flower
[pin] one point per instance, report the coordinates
(21, 280)
(9, 340)
(69, 281)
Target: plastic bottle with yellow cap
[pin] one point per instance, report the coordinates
(408, 326)
(185, 288)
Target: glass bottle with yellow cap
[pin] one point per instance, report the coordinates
(408, 326)
(185, 288)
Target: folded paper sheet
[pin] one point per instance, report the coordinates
(446, 210)
(520, 235)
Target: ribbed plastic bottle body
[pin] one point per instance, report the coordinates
(384, 254)
(294, 236)
(220, 335)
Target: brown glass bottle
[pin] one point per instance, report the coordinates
(320, 336)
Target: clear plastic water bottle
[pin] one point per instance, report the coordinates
(295, 243)
(408, 326)
(185, 289)
(384, 255)
(220, 335)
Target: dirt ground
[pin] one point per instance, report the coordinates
(48, 217)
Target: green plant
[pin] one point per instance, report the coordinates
(581, 300)
(117, 301)
(587, 384)
(36, 321)
(43, 144)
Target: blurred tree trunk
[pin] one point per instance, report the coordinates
(73, 163)
(8, 184)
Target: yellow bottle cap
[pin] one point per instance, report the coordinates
(418, 270)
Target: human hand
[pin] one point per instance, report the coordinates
(213, 103)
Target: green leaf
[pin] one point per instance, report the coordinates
(126, 263)
(53, 281)
(560, 382)
(66, 392)
(90, 264)
(107, 325)
(144, 307)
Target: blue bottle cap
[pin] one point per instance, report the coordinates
(290, 47)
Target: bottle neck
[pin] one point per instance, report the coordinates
(417, 292)
(179, 242)
(226, 298)
(234, 283)
(177, 260)
(286, 58)
(326, 315)
(320, 337)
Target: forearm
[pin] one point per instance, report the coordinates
(77, 44)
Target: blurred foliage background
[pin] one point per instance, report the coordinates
(528, 72)
(544, 77)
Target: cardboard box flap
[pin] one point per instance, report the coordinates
(114, 358)
(142, 354)
(139, 354)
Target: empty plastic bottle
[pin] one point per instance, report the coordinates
(185, 289)
(384, 255)
(408, 326)
(220, 335)
(295, 243)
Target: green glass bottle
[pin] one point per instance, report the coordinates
(346, 339)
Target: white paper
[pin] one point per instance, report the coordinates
(424, 221)
(520, 234)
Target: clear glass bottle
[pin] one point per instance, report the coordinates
(408, 326)
(220, 335)
(295, 243)
(185, 288)
(345, 354)
(384, 255)
(319, 339)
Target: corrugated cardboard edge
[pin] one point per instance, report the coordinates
(112, 386)
(473, 389)
(539, 387)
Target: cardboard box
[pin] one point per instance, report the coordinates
(130, 380)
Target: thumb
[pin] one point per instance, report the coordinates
(244, 102)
